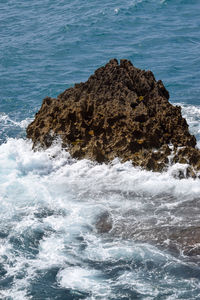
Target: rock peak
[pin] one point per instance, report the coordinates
(120, 111)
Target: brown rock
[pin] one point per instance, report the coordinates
(104, 223)
(121, 111)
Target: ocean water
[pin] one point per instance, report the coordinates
(76, 229)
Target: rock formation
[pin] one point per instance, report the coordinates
(121, 111)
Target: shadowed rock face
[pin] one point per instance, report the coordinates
(121, 111)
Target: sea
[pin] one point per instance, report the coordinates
(76, 229)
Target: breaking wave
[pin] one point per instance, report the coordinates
(81, 230)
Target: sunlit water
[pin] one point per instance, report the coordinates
(76, 229)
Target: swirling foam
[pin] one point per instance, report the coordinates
(49, 206)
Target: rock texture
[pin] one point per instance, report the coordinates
(121, 111)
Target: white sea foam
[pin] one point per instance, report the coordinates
(82, 279)
(192, 115)
(50, 204)
(7, 121)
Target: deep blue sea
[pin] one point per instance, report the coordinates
(50, 204)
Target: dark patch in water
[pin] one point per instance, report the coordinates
(46, 212)
(125, 293)
(6, 282)
(3, 234)
(28, 242)
(104, 223)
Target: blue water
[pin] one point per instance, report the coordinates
(50, 247)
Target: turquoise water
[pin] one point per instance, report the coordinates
(49, 203)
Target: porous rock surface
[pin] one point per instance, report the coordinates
(121, 111)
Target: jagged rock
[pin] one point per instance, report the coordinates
(121, 111)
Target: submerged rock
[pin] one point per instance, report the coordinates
(121, 111)
(173, 233)
(104, 223)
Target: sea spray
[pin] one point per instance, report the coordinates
(50, 204)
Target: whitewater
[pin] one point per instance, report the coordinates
(75, 229)
(53, 243)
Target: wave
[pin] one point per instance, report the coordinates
(52, 211)
(95, 231)
(192, 115)
(6, 121)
